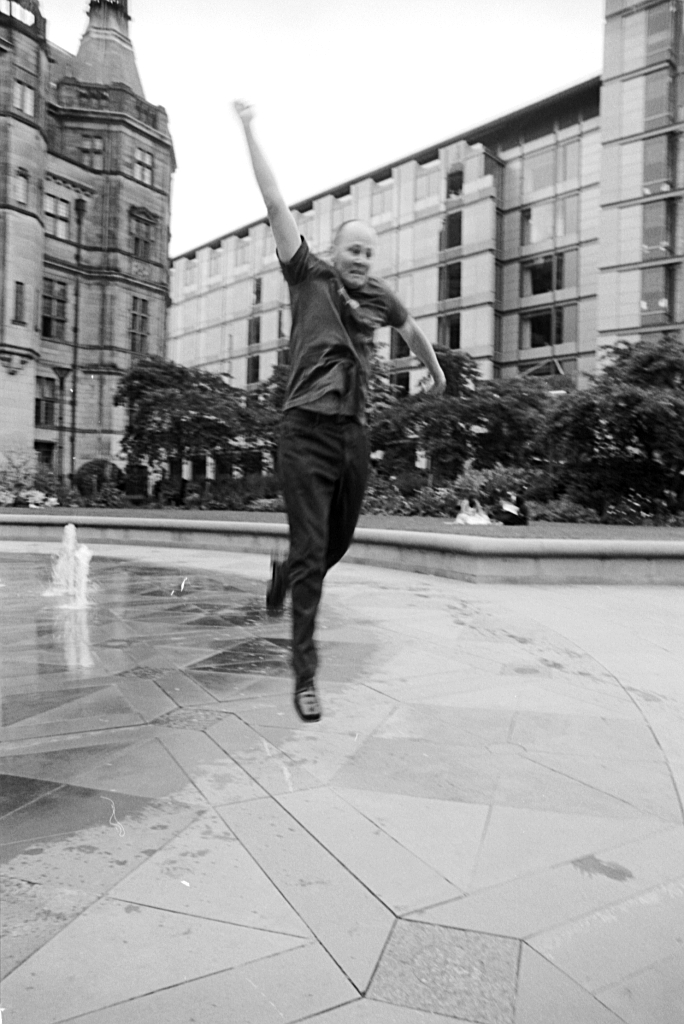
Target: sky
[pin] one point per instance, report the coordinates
(341, 87)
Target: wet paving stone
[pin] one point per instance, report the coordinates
(449, 971)
(263, 656)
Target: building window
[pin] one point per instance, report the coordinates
(498, 333)
(658, 229)
(398, 347)
(24, 99)
(537, 329)
(215, 260)
(552, 326)
(450, 331)
(143, 168)
(56, 217)
(658, 99)
(382, 198)
(44, 452)
(568, 161)
(308, 228)
(96, 99)
(659, 33)
(281, 324)
(139, 325)
(54, 309)
(190, 272)
(242, 251)
(450, 281)
(454, 183)
(656, 295)
(256, 293)
(284, 355)
(565, 325)
(19, 302)
(452, 234)
(659, 163)
(21, 187)
(555, 271)
(428, 177)
(537, 223)
(567, 216)
(400, 381)
(253, 331)
(253, 369)
(537, 276)
(141, 236)
(342, 209)
(539, 170)
(494, 168)
(46, 401)
(92, 152)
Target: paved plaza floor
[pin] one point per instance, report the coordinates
(486, 825)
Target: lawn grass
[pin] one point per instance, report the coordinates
(572, 531)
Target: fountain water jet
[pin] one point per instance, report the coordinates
(70, 570)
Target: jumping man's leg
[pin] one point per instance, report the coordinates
(310, 458)
(349, 490)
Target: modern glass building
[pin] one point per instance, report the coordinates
(529, 242)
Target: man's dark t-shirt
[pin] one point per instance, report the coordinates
(331, 342)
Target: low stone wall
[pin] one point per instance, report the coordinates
(474, 559)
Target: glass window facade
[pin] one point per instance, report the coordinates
(45, 402)
(56, 217)
(53, 321)
(658, 229)
(659, 163)
(143, 167)
(139, 325)
(92, 152)
(658, 99)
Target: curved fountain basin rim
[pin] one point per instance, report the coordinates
(414, 539)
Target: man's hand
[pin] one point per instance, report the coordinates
(244, 111)
(438, 386)
(283, 224)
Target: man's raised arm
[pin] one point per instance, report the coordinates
(283, 224)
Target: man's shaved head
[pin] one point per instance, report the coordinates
(349, 226)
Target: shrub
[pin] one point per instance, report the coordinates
(239, 493)
(383, 498)
(17, 471)
(93, 475)
(409, 482)
(636, 509)
(561, 510)
(108, 497)
(435, 501)
(488, 485)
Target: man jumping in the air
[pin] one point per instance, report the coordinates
(323, 452)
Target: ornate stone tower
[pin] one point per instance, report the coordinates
(23, 160)
(100, 281)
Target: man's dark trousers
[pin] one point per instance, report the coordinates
(323, 467)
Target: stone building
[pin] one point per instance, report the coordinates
(529, 242)
(85, 177)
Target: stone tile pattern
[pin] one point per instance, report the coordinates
(484, 827)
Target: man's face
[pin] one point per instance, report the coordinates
(353, 254)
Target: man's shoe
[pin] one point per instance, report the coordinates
(277, 588)
(306, 701)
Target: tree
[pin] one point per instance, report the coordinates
(259, 415)
(176, 412)
(624, 435)
(506, 421)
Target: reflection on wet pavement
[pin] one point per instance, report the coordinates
(177, 846)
